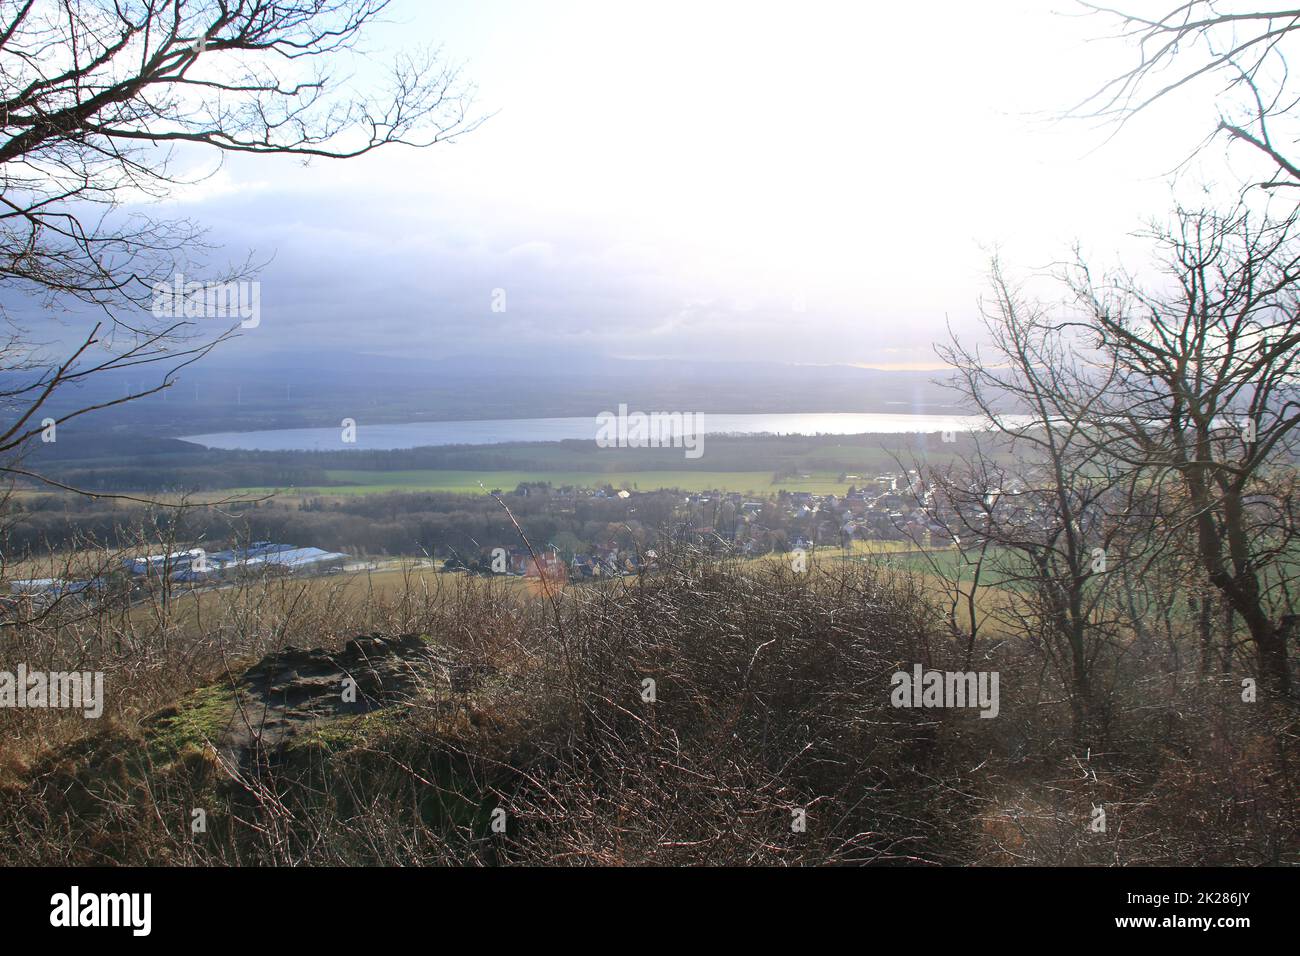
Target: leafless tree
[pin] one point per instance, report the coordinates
(1203, 404)
(1243, 48)
(1031, 498)
(96, 96)
(1167, 410)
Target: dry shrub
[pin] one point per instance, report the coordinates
(771, 706)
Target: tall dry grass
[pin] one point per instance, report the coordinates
(770, 738)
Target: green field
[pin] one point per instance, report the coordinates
(743, 464)
(351, 482)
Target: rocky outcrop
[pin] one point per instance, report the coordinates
(295, 692)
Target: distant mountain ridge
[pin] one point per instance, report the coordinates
(316, 389)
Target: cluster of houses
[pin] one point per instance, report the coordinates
(888, 507)
(609, 561)
(885, 508)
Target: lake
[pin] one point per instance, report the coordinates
(422, 434)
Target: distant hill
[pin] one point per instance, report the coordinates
(306, 389)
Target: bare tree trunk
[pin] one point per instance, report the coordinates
(1206, 626)
(1271, 653)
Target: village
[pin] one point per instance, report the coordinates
(563, 545)
(890, 507)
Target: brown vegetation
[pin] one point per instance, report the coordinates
(771, 695)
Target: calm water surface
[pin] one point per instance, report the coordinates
(420, 434)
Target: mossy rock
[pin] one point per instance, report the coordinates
(202, 717)
(346, 732)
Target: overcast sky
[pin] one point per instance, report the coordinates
(810, 182)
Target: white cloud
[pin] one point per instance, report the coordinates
(671, 175)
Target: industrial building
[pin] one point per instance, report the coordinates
(52, 587)
(159, 564)
(262, 557)
(42, 592)
(193, 566)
